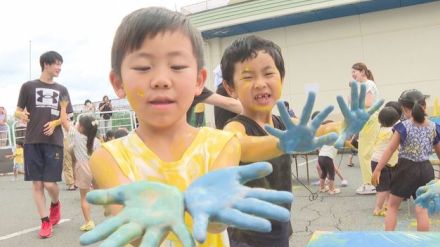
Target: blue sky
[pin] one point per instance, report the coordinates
(80, 30)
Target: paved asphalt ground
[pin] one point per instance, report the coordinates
(343, 212)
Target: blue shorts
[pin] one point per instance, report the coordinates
(43, 162)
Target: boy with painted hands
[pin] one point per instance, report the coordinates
(157, 64)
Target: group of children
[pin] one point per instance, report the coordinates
(157, 64)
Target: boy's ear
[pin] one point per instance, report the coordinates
(201, 78)
(230, 90)
(117, 84)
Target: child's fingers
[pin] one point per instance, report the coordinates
(243, 221)
(200, 226)
(123, 235)
(355, 96)
(253, 171)
(284, 114)
(183, 234)
(343, 106)
(272, 196)
(328, 139)
(105, 197)
(307, 109)
(375, 107)
(102, 230)
(262, 209)
(274, 131)
(316, 122)
(152, 237)
(362, 96)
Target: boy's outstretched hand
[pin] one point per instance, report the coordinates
(221, 197)
(356, 117)
(428, 197)
(301, 137)
(150, 210)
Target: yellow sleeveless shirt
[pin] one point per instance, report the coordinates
(137, 162)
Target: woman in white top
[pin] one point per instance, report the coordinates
(362, 75)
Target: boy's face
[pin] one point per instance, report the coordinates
(257, 83)
(53, 69)
(160, 79)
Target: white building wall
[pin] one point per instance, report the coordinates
(400, 46)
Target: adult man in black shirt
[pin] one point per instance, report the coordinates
(43, 148)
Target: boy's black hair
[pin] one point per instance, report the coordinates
(109, 134)
(414, 99)
(90, 128)
(396, 105)
(20, 143)
(87, 101)
(147, 23)
(245, 48)
(121, 132)
(50, 57)
(388, 116)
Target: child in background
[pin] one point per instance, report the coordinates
(417, 136)
(18, 159)
(388, 116)
(326, 156)
(253, 71)
(332, 153)
(84, 142)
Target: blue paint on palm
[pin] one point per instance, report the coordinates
(356, 117)
(301, 137)
(221, 197)
(428, 197)
(150, 211)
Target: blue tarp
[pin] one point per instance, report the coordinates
(375, 238)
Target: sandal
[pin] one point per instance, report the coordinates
(323, 190)
(72, 187)
(334, 191)
(380, 213)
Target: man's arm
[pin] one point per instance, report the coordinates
(227, 103)
(22, 114)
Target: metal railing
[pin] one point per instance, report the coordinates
(119, 119)
(5, 137)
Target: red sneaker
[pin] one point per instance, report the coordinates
(55, 213)
(46, 229)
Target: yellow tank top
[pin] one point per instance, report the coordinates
(138, 162)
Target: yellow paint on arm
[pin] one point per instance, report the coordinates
(229, 156)
(107, 174)
(254, 148)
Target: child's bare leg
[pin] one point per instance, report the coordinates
(380, 200)
(331, 185)
(391, 217)
(322, 184)
(85, 205)
(422, 219)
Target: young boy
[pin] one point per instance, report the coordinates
(18, 159)
(388, 116)
(253, 72)
(157, 63)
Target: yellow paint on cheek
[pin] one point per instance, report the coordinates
(140, 94)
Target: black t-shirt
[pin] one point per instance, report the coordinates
(221, 115)
(106, 107)
(197, 99)
(42, 101)
(279, 179)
